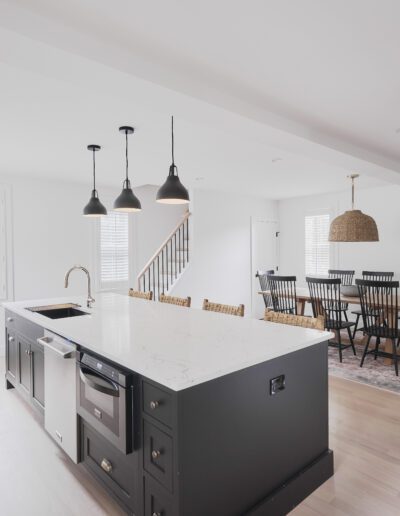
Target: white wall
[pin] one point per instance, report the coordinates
(220, 266)
(382, 203)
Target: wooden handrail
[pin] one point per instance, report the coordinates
(161, 247)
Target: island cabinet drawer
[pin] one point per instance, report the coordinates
(158, 454)
(10, 319)
(116, 470)
(156, 501)
(157, 403)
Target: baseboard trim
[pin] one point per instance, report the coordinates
(295, 490)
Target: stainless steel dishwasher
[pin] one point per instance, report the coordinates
(60, 418)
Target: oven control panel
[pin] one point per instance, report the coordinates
(103, 368)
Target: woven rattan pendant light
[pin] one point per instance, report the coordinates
(354, 225)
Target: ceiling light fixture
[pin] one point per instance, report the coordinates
(127, 200)
(94, 207)
(354, 225)
(172, 191)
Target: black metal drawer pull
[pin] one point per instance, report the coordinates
(154, 404)
(106, 465)
(155, 454)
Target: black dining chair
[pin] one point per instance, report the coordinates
(283, 293)
(371, 276)
(325, 300)
(346, 278)
(379, 307)
(262, 278)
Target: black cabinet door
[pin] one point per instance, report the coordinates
(24, 363)
(11, 356)
(37, 372)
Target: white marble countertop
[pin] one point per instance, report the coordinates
(175, 346)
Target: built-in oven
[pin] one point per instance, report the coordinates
(105, 399)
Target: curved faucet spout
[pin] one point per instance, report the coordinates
(90, 299)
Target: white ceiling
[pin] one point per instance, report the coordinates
(316, 86)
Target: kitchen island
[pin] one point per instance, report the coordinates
(226, 416)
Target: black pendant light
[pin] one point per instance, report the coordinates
(173, 191)
(127, 200)
(94, 208)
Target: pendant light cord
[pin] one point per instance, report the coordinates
(94, 171)
(352, 193)
(126, 156)
(172, 140)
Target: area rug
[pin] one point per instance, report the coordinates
(373, 372)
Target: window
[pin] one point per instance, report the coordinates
(317, 244)
(114, 250)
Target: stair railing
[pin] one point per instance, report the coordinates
(168, 262)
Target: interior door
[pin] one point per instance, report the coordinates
(264, 256)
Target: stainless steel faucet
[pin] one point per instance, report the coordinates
(90, 299)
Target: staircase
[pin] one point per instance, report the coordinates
(168, 263)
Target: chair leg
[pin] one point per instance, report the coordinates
(376, 348)
(356, 325)
(340, 346)
(365, 351)
(396, 365)
(351, 341)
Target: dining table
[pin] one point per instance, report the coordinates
(303, 297)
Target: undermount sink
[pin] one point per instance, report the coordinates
(61, 311)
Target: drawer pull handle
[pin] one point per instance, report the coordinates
(156, 514)
(155, 454)
(10, 319)
(154, 404)
(106, 465)
(97, 413)
(11, 338)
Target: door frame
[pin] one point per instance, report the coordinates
(277, 265)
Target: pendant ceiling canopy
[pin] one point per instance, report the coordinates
(353, 225)
(94, 207)
(172, 191)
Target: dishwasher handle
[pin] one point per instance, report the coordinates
(61, 349)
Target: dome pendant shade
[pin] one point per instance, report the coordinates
(353, 225)
(94, 207)
(172, 191)
(127, 200)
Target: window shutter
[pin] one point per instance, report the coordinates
(114, 250)
(317, 244)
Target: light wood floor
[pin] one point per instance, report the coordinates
(37, 479)
(365, 438)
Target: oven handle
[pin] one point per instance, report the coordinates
(111, 391)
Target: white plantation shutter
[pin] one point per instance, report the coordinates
(114, 250)
(317, 245)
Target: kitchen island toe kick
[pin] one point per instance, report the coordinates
(244, 435)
